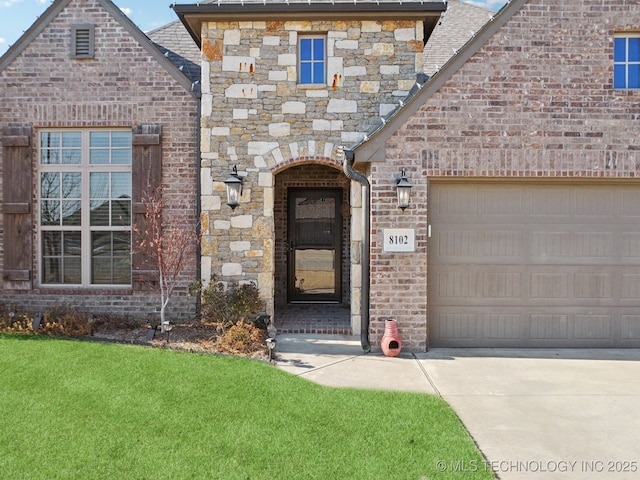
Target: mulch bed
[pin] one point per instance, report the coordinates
(193, 336)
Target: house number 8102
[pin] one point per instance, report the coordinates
(399, 239)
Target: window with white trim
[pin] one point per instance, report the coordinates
(85, 207)
(626, 61)
(312, 60)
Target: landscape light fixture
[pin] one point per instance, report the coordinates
(234, 188)
(403, 190)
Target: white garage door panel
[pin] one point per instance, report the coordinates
(529, 265)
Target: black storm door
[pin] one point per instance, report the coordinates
(314, 245)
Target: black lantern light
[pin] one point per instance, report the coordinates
(403, 190)
(234, 188)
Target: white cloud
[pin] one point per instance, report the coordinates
(3, 41)
(9, 3)
(127, 11)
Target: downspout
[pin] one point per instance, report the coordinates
(196, 89)
(347, 160)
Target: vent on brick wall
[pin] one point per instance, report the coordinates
(82, 41)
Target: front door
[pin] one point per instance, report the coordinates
(314, 245)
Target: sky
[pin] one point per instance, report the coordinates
(16, 16)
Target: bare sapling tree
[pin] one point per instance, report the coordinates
(167, 243)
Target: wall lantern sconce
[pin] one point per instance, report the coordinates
(234, 188)
(403, 190)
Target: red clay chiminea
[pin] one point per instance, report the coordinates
(391, 343)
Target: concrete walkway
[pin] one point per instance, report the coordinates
(535, 414)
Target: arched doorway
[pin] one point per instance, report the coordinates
(312, 250)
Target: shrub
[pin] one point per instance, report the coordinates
(241, 338)
(14, 320)
(57, 320)
(225, 306)
(66, 321)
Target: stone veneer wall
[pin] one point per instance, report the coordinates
(537, 102)
(122, 86)
(257, 117)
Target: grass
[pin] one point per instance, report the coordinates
(72, 409)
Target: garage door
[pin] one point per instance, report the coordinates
(534, 265)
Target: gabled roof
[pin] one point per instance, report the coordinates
(177, 45)
(59, 5)
(193, 15)
(460, 22)
(374, 141)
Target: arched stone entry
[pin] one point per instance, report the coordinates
(300, 313)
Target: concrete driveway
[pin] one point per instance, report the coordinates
(535, 414)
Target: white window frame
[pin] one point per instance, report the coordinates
(85, 169)
(315, 36)
(626, 63)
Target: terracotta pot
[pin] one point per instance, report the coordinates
(391, 343)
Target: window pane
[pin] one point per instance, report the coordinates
(120, 185)
(318, 49)
(72, 157)
(100, 213)
(71, 148)
(99, 139)
(71, 185)
(121, 156)
(49, 185)
(619, 76)
(49, 139)
(305, 49)
(71, 139)
(305, 73)
(111, 258)
(101, 271)
(121, 192)
(52, 270)
(72, 270)
(71, 212)
(121, 139)
(52, 244)
(620, 50)
(122, 271)
(99, 157)
(49, 157)
(634, 50)
(72, 244)
(121, 213)
(50, 213)
(634, 76)
(61, 260)
(121, 244)
(101, 244)
(122, 258)
(99, 185)
(318, 73)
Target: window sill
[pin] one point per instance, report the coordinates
(65, 290)
(312, 86)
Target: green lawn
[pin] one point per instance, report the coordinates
(82, 410)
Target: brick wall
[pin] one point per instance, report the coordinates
(122, 86)
(535, 101)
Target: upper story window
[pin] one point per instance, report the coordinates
(626, 61)
(312, 60)
(85, 191)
